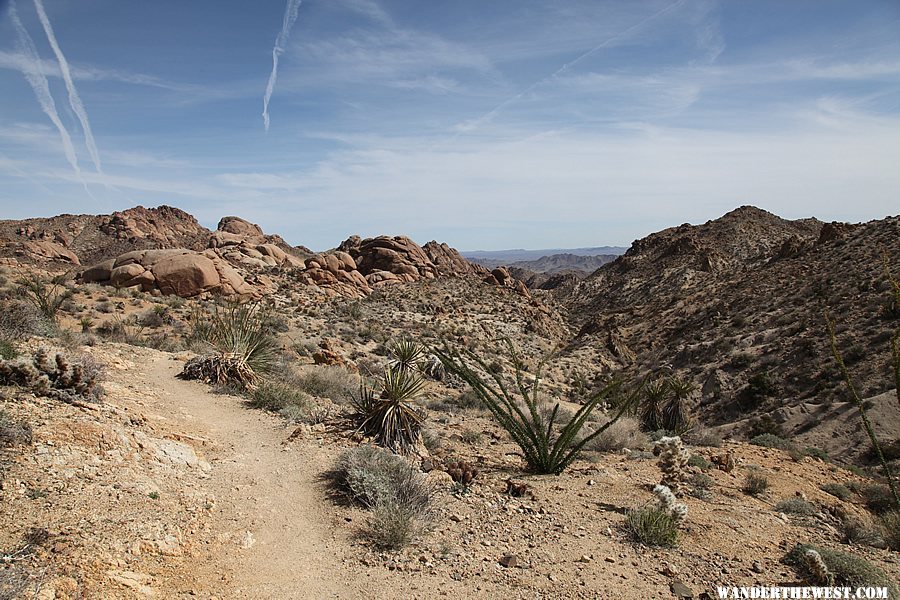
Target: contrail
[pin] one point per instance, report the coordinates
(290, 15)
(41, 87)
(74, 99)
(474, 124)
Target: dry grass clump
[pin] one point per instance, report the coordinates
(838, 490)
(401, 498)
(796, 506)
(332, 382)
(755, 484)
(285, 398)
(652, 525)
(624, 433)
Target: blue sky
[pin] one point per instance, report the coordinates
(488, 125)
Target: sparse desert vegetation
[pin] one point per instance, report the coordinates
(416, 436)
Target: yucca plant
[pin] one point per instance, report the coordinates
(665, 405)
(651, 407)
(548, 446)
(243, 347)
(406, 355)
(47, 295)
(387, 415)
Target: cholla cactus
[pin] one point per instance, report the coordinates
(817, 567)
(673, 460)
(667, 502)
(61, 380)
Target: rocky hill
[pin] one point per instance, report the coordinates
(120, 478)
(737, 306)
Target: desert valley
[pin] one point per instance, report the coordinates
(219, 414)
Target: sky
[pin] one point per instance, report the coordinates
(488, 125)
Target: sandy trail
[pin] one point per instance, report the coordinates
(283, 544)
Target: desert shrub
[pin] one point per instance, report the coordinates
(765, 424)
(19, 319)
(845, 569)
(838, 490)
(878, 498)
(796, 506)
(46, 295)
(755, 484)
(767, 440)
(890, 524)
(705, 437)
(332, 382)
(13, 432)
(277, 394)
(7, 349)
(243, 348)
(400, 497)
(816, 453)
(652, 525)
(624, 433)
(547, 447)
(761, 386)
(698, 461)
(860, 532)
(890, 450)
(700, 484)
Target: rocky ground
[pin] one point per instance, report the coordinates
(169, 488)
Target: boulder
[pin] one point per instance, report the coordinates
(180, 272)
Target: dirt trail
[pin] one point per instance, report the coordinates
(284, 547)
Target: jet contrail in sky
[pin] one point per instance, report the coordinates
(38, 82)
(475, 123)
(290, 15)
(74, 99)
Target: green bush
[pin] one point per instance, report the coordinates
(653, 526)
(277, 395)
(845, 568)
(547, 447)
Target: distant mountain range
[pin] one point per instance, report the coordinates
(517, 255)
(552, 260)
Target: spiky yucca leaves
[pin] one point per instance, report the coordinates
(666, 405)
(651, 407)
(243, 347)
(388, 415)
(47, 295)
(406, 355)
(548, 447)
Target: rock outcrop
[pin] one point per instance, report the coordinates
(181, 272)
